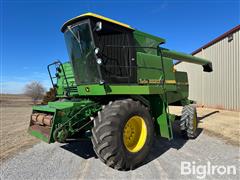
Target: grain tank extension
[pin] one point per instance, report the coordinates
(116, 90)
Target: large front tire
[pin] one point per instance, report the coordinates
(122, 134)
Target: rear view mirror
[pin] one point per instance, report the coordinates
(98, 26)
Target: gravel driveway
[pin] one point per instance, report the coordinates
(76, 160)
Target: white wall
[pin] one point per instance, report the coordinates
(220, 88)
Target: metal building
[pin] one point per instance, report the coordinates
(220, 88)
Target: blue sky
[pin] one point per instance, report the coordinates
(31, 38)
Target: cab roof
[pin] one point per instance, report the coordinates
(89, 14)
(97, 16)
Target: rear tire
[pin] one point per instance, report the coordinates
(109, 134)
(189, 122)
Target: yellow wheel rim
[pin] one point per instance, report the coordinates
(135, 134)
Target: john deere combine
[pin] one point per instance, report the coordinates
(116, 89)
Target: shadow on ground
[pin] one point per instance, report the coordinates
(84, 148)
(207, 115)
(162, 145)
(80, 147)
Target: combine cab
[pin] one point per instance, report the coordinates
(116, 89)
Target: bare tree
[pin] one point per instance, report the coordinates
(35, 90)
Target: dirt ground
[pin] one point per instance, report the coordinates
(15, 111)
(221, 123)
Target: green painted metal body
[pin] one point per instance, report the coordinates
(61, 82)
(207, 65)
(157, 85)
(70, 115)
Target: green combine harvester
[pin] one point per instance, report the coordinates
(116, 90)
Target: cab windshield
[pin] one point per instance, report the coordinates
(80, 48)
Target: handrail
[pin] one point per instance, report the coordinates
(58, 63)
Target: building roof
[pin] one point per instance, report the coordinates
(226, 34)
(89, 14)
